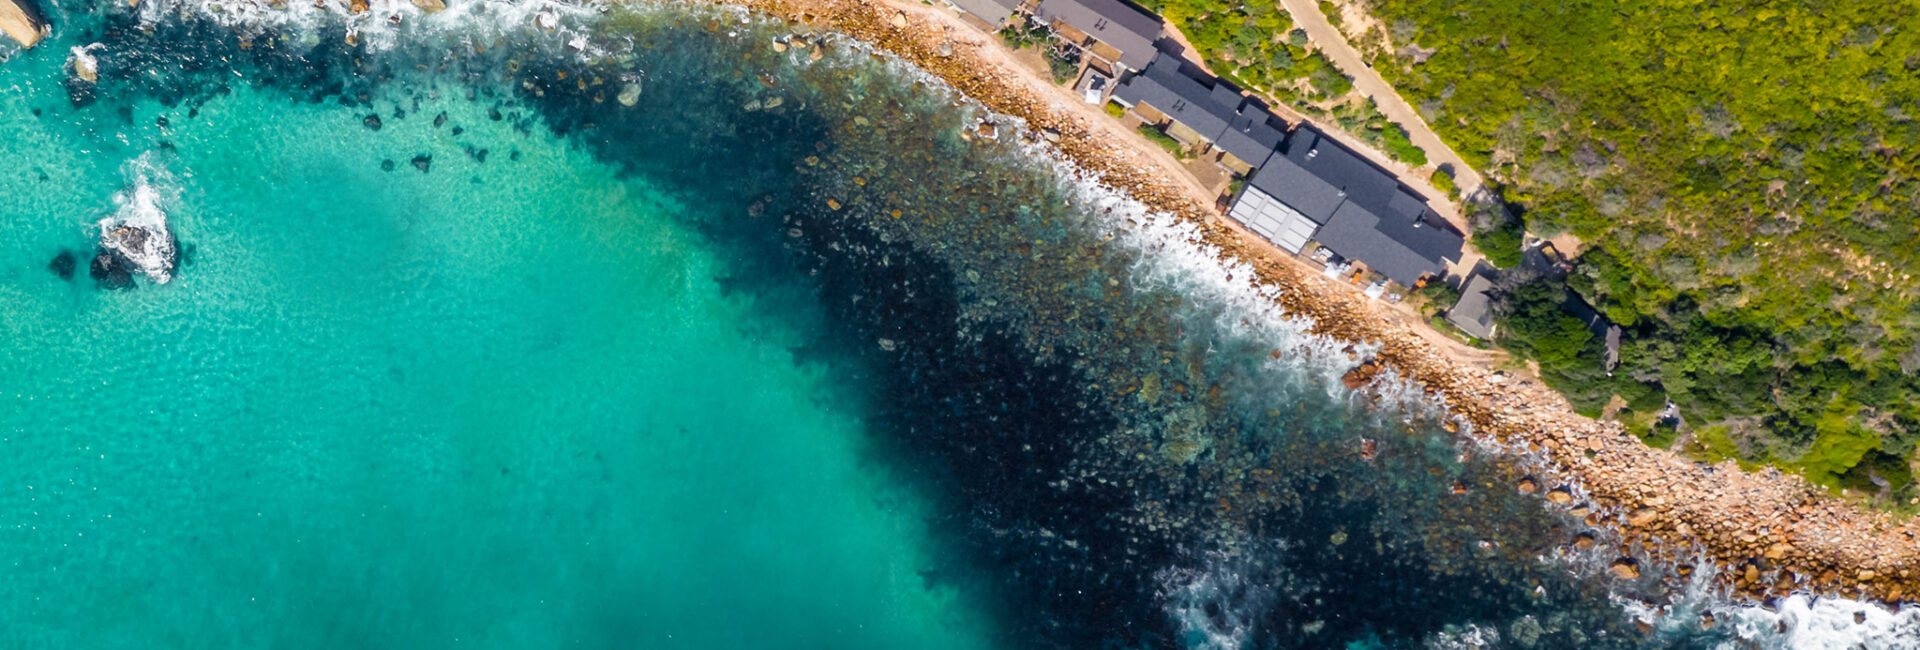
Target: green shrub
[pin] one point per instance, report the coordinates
(1442, 180)
(1063, 66)
(1400, 147)
(1020, 36)
(1501, 245)
(1165, 141)
(1116, 110)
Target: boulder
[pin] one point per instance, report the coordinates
(430, 6)
(1625, 568)
(137, 236)
(629, 94)
(84, 66)
(109, 271)
(21, 20)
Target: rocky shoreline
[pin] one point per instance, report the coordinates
(1771, 533)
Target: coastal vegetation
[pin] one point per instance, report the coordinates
(1743, 180)
(1255, 46)
(1155, 135)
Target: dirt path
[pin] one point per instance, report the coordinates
(1772, 533)
(1306, 15)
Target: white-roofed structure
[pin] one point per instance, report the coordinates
(1274, 220)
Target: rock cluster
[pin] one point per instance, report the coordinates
(1771, 532)
(21, 21)
(126, 248)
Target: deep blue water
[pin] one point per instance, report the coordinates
(772, 358)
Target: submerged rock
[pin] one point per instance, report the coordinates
(372, 122)
(629, 95)
(423, 162)
(64, 264)
(110, 272)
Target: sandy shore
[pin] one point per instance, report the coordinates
(1772, 533)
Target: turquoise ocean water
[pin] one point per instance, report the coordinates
(784, 355)
(497, 404)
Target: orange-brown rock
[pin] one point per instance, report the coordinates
(21, 22)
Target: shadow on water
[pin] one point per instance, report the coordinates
(1108, 468)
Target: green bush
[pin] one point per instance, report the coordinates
(1115, 110)
(1063, 66)
(1501, 245)
(1020, 36)
(1442, 180)
(1400, 147)
(1165, 141)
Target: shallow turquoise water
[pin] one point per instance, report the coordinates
(811, 370)
(497, 404)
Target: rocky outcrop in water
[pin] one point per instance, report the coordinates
(136, 247)
(84, 66)
(136, 239)
(22, 21)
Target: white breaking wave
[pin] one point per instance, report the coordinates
(1172, 259)
(1800, 621)
(137, 229)
(1218, 606)
(1811, 623)
(384, 24)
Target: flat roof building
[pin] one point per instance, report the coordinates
(1129, 30)
(1350, 206)
(992, 12)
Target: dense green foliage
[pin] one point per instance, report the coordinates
(1501, 244)
(1744, 176)
(1023, 35)
(1394, 138)
(1063, 64)
(1442, 180)
(1154, 134)
(1252, 45)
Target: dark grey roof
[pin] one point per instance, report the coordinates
(1295, 186)
(1129, 29)
(994, 12)
(1253, 135)
(1372, 187)
(1204, 106)
(1400, 248)
(1368, 216)
(1471, 313)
